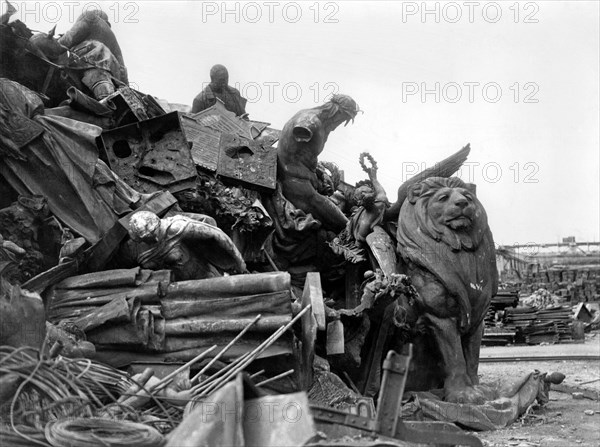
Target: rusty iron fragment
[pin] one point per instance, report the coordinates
(152, 155)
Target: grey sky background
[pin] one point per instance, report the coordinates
(528, 82)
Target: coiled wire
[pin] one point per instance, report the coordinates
(96, 432)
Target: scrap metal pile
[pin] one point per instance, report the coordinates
(161, 267)
(575, 283)
(541, 317)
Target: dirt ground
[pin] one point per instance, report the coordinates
(564, 421)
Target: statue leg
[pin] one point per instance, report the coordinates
(471, 345)
(450, 347)
(99, 82)
(458, 386)
(305, 197)
(325, 210)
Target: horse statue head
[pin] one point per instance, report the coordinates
(46, 46)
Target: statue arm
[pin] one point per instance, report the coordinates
(199, 217)
(221, 249)
(240, 100)
(380, 195)
(197, 231)
(200, 103)
(381, 199)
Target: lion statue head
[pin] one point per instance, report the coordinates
(447, 210)
(443, 229)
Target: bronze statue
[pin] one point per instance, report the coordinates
(219, 88)
(444, 238)
(193, 248)
(95, 46)
(95, 57)
(302, 140)
(371, 201)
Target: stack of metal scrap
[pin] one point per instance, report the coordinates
(534, 326)
(561, 318)
(140, 315)
(113, 308)
(496, 333)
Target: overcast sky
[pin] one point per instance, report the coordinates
(519, 81)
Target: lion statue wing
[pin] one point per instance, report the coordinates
(445, 168)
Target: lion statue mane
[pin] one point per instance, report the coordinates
(448, 251)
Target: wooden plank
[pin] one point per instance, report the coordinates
(274, 303)
(214, 325)
(313, 294)
(308, 340)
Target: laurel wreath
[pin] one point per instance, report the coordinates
(361, 160)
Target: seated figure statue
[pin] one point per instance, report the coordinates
(219, 88)
(192, 248)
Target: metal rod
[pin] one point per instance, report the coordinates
(226, 348)
(277, 377)
(164, 381)
(256, 352)
(211, 379)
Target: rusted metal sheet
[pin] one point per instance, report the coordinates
(222, 120)
(247, 163)
(204, 141)
(132, 106)
(151, 155)
(236, 149)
